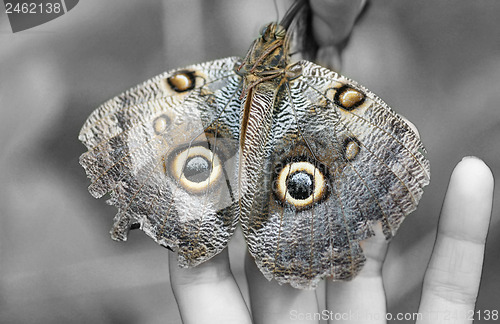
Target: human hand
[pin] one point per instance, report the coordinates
(209, 293)
(332, 24)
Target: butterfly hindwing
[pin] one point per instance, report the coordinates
(340, 160)
(165, 150)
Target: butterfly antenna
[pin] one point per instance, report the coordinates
(277, 10)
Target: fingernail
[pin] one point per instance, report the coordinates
(471, 157)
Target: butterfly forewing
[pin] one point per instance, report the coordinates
(166, 152)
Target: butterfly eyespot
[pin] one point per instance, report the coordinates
(349, 98)
(161, 123)
(300, 184)
(351, 148)
(196, 169)
(182, 81)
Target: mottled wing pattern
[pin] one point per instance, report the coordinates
(340, 160)
(165, 151)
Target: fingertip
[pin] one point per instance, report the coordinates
(473, 173)
(467, 208)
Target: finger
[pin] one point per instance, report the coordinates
(208, 292)
(361, 300)
(452, 278)
(274, 303)
(334, 20)
(332, 23)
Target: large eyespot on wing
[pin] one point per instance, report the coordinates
(195, 168)
(151, 148)
(300, 183)
(372, 165)
(202, 193)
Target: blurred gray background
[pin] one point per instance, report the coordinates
(435, 62)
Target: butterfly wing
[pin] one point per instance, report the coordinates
(165, 150)
(340, 160)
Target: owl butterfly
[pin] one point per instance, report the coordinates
(305, 159)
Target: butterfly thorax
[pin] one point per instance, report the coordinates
(267, 59)
(268, 52)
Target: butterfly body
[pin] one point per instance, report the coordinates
(306, 160)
